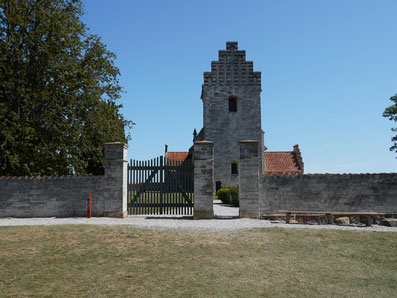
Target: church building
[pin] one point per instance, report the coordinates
(232, 113)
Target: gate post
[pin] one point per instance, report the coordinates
(249, 179)
(203, 157)
(116, 166)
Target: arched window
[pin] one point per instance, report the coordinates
(232, 104)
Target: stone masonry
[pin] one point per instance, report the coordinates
(249, 179)
(329, 192)
(61, 196)
(231, 77)
(116, 167)
(65, 196)
(203, 179)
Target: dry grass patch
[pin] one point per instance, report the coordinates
(120, 261)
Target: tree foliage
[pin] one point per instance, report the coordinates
(58, 91)
(391, 113)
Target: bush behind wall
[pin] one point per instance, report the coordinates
(229, 195)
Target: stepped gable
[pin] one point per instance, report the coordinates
(285, 162)
(232, 69)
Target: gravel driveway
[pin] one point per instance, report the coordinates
(226, 218)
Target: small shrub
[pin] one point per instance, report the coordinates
(229, 195)
(224, 195)
(234, 196)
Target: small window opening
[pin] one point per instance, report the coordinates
(218, 185)
(234, 168)
(232, 104)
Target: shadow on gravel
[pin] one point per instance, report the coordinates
(226, 217)
(224, 205)
(170, 217)
(191, 217)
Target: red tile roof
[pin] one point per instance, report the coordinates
(178, 156)
(276, 163)
(279, 163)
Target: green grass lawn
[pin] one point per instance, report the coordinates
(125, 261)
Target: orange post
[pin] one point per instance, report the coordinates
(89, 207)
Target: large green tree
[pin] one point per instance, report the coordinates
(58, 91)
(391, 113)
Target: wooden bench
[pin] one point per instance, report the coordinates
(328, 215)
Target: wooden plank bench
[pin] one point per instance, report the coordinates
(328, 215)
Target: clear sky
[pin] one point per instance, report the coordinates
(328, 71)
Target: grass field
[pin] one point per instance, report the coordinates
(125, 261)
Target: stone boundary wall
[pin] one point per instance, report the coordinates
(63, 196)
(66, 196)
(329, 192)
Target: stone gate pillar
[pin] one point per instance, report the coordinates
(115, 203)
(203, 179)
(249, 179)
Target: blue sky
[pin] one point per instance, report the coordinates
(328, 71)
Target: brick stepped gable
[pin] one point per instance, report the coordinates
(232, 69)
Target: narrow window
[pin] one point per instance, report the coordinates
(234, 168)
(232, 104)
(218, 185)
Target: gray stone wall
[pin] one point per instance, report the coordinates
(203, 157)
(329, 192)
(249, 179)
(50, 196)
(116, 167)
(67, 196)
(231, 75)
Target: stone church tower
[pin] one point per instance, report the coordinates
(231, 110)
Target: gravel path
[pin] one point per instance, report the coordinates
(226, 218)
